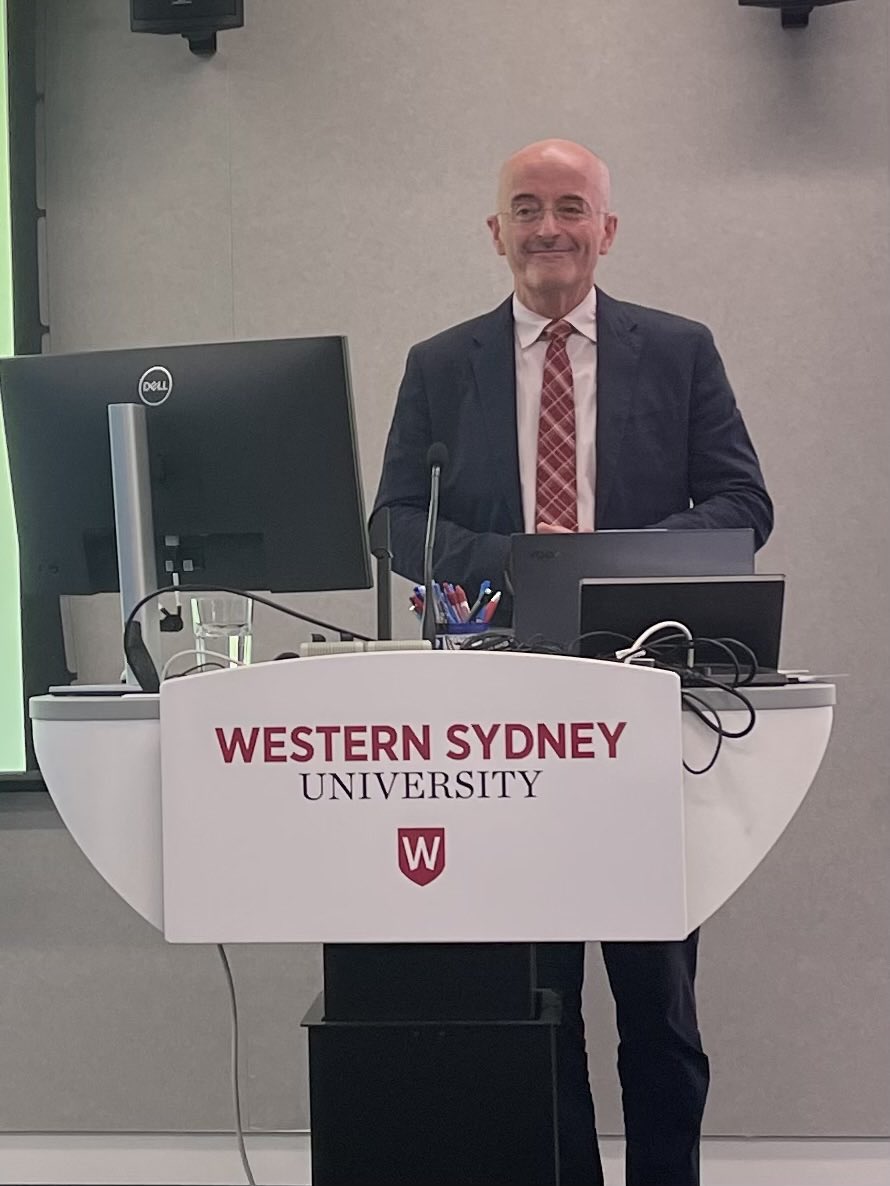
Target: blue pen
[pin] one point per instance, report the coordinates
(447, 610)
(437, 604)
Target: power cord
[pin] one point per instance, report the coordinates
(236, 1091)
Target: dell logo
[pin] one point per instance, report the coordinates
(155, 386)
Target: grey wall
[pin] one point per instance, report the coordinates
(329, 172)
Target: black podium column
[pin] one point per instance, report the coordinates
(433, 1064)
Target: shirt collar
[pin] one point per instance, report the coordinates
(529, 325)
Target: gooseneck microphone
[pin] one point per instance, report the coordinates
(436, 460)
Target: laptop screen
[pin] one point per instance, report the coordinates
(747, 608)
(545, 569)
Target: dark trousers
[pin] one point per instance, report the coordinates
(663, 1070)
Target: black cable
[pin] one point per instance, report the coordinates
(707, 682)
(733, 659)
(691, 701)
(679, 642)
(725, 645)
(570, 649)
(742, 646)
(488, 642)
(659, 650)
(537, 645)
(136, 653)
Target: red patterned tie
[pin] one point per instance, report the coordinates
(557, 487)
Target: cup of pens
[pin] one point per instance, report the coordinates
(454, 613)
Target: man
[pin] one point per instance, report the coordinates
(566, 410)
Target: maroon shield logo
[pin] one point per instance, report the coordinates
(421, 853)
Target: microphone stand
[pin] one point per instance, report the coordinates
(428, 629)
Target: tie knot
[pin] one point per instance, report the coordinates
(558, 331)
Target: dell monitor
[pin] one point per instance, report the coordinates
(254, 474)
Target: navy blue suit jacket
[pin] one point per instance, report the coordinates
(671, 447)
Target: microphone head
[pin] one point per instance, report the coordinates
(437, 455)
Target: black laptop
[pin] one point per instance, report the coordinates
(746, 608)
(545, 570)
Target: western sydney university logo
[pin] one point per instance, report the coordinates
(421, 853)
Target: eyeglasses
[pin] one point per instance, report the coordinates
(530, 212)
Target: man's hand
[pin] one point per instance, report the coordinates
(550, 529)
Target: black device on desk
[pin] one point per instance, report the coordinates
(545, 570)
(254, 474)
(746, 608)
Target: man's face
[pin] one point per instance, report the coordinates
(552, 226)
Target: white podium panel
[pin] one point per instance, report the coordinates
(423, 797)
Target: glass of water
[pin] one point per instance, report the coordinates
(223, 626)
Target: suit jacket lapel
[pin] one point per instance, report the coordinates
(494, 369)
(618, 352)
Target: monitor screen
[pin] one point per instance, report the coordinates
(746, 608)
(254, 469)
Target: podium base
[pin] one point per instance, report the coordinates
(443, 1103)
(417, 981)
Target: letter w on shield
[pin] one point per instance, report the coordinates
(421, 853)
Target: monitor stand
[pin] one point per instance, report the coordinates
(133, 520)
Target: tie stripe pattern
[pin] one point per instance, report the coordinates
(557, 486)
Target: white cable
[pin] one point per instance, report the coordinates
(627, 654)
(236, 1093)
(212, 656)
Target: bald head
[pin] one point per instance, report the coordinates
(553, 223)
(565, 153)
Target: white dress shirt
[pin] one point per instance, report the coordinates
(530, 350)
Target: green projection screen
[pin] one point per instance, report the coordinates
(12, 732)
